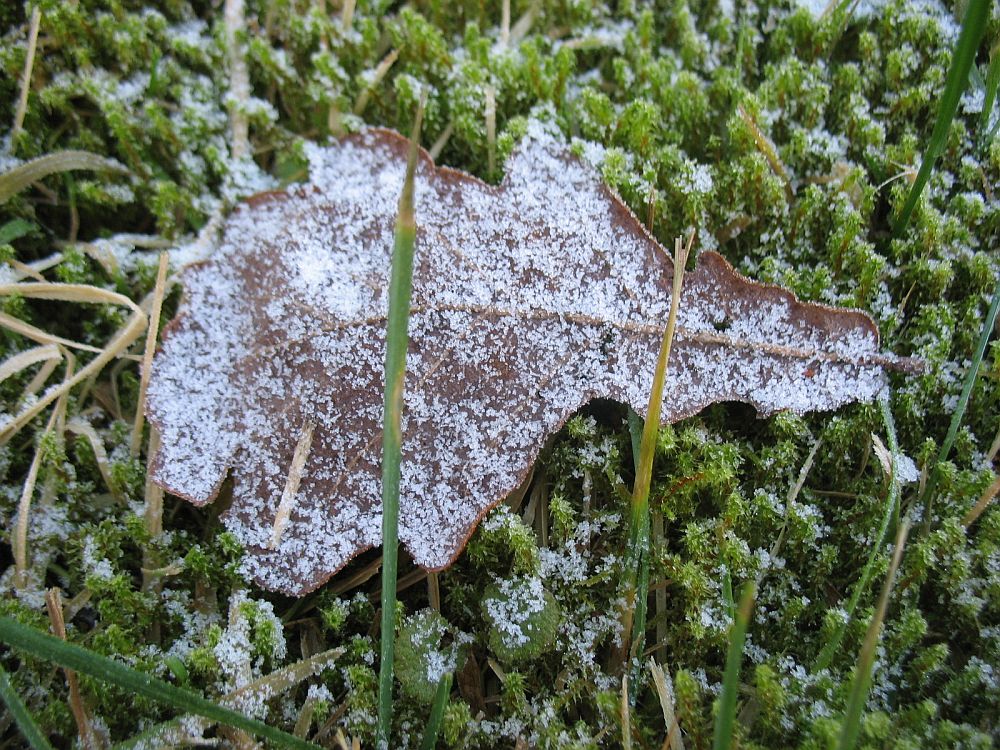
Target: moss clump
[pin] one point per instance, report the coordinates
(523, 619)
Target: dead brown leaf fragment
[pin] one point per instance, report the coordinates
(530, 299)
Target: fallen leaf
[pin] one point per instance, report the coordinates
(530, 299)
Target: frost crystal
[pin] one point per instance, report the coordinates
(530, 299)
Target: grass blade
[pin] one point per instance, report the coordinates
(990, 95)
(429, 740)
(18, 178)
(963, 402)
(891, 511)
(71, 656)
(400, 286)
(851, 727)
(973, 26)
(725, 719)
(638, 546)
(21, 715)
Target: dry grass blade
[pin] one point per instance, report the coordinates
(20, 540)
(153, 511)
(42, 377)
(80, 427)
(22, 361)
(851, 728)
(491, 129)
(25, 85)
(122, 340)
(769, 151)
(673, 740)
(29, 331)
(442, 141)
(376, 79)
(18, 178)
(984, 500)
(147, 359)
(625, 715)
(68, 293)
(89, 740)
(287, 502)
(239, 79)
(35, 267)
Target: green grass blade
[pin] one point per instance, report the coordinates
(725, 719)
(973, 25)
(18, 178)
(891, 512)
(851, 728)
(992, 85)
(22, 717)
(638, 545)
(71, 656)
(963, 401)
(397, 338)
(429, 740)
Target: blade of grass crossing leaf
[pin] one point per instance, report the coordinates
(861, 684)
(429, 740)
(963, 402)
(400, 287)
(639, 522)
(973, 26)
(891, 512)
(725, 719)
(71, 656)
(22, 717)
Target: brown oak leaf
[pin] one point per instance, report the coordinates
(530, 299)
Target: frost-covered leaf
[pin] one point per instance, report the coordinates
(530, 299)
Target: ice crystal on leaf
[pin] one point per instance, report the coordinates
(530, 299)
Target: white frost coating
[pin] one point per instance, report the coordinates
(517, 600)
(529, 300)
